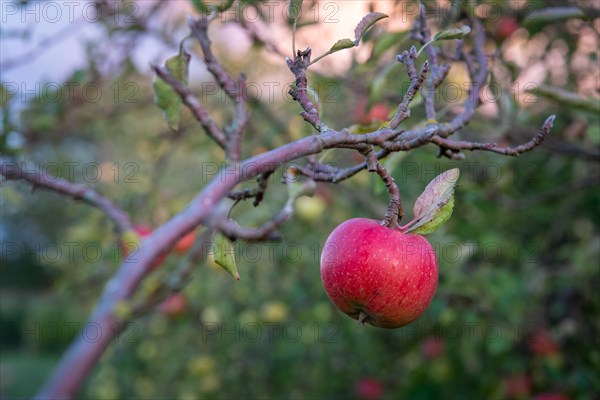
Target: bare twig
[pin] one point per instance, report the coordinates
(298, 66)
(194, 105)
(507, 151)
(394, 211)
(234, 89)
(257, 193)
(478, 78)
(77, 191)
(403, 111)
(422, 33)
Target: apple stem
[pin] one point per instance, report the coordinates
(394, 211)
(362, 318)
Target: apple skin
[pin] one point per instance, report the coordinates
(387, 275)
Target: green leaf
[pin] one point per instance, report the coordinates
(566, 98)
(387, 41)
(294, 9)
(553, 14)
(341, 45)
(225, 256)
(164, 96)
(457, 33)
(208, 7)
(434, 206)
(368, 21)
(440, 218)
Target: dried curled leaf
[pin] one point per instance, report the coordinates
(368, 21)
(434, 206)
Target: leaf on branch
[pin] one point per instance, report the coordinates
(341, 45)
(387, 41)
(294, 9)
(457, 33)
(565, 97)
(225, 256)
(209, 7)
(164, 96)
(553, 14)
(368, 21)
(435, 205)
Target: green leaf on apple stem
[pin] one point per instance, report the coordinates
(164, 96)
(434, 206)
(368, 21)
(225, 256)
(341, 45)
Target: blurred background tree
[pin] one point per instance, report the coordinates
(514, 315)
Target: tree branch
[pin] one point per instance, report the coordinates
(507, 151)
(77, 191)
(194, 105)
(234, 89)
(415, 84)
(299, 93)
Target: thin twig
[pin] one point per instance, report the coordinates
(299, 93)
(194, 105)
(507, 151)
(77, 191)
(235, 89)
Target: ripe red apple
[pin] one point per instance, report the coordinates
(550, 396)
(542, 344)
(517, 386)
(175, 305)
(369, 389)
(378, 275)
(505, 27)
(379, 112)
(433, 347)
(185, 243)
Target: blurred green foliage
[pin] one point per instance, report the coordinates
(520, 255)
